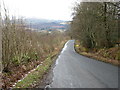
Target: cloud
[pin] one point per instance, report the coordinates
(48, 9)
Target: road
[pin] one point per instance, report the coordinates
(76, 71)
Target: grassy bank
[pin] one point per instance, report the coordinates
(107, 55)
(44, 59)
(33, 78)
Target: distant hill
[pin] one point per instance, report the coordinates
(44, 24)
(35, 20)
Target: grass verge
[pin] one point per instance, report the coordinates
(33, 78)
(36, 75)
(99, 55)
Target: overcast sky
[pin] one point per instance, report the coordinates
(46, 9)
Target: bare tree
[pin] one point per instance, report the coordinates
(95, 24)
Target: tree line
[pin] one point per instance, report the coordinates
(95, 24)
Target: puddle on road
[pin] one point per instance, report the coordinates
(65, 47)
(57, 61)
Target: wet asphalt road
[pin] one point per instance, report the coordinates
(75, 71)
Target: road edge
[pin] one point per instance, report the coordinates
(101, 59)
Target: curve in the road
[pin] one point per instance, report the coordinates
(76, 71)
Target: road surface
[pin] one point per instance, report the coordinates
(76, 71)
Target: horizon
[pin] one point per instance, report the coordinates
(44, 19)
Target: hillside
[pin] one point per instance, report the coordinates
(44, 24)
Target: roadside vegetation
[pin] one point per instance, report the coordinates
(24, 49)
(34, 78)
(95, 26)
